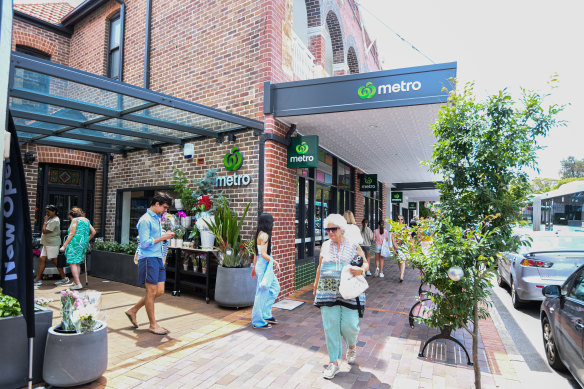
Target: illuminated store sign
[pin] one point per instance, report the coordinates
(233, 161)
(368, 182)
(302, 152)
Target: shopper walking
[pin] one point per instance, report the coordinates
(266, 269)
(399, 257)
(340, 317)
(367, 236)
(151, 271)
(75, 246)
(380, 237)
(51, 240)
(352, 232)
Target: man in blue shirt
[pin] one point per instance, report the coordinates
(151, 270)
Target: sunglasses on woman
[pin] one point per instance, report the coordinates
(331, 229)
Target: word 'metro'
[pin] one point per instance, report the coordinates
(234, 180)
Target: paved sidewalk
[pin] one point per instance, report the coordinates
(210, 346)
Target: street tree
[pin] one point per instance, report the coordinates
(481, 152)
(572, 168)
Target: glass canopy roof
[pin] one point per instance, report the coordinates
(60, 106)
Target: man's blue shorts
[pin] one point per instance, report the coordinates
(151, 270)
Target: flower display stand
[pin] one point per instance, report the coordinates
(75, 358)
(177, 277)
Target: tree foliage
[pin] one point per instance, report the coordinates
(481, 151)
(572, 168)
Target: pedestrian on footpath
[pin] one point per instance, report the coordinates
(266, 269)
(340, 317)
(367, 236)
(51, 240)
(399, 257)
(75, 246)
(352, 232)
(380, 237)
(151, 271)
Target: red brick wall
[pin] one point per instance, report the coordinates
(57, 46)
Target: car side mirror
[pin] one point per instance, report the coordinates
(552, 291)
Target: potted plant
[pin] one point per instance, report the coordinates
(179, 232)
(234, 286)
(14, 344)
(80, 338)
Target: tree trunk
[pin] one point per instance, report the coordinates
(475, 346)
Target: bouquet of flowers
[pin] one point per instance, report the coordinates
(79, 311)
(68, 305)
(169, 222)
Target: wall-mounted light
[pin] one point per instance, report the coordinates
(29, 158)
(231, 137)
(189, 150)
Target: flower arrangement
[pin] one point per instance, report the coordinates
(181, 214)
(79, 312)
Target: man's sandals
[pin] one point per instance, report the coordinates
(132, 320)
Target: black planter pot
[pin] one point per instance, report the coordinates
(14, 349)
(114, 266)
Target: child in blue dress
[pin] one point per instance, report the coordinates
(266, 269)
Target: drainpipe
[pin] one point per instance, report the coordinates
(147, 41)
(273, 137)
(122, 30)
(106, 159)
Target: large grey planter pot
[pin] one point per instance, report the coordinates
(14, 349)
(75, 359)
(234, 287)
(114, 267)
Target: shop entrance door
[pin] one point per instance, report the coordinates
(322, 200)
(64, 201)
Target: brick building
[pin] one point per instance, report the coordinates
(220, 55)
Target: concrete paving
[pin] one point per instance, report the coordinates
(214, 347)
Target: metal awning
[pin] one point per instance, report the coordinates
(60, 106)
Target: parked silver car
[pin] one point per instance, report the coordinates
(550, 259)
(562, 323)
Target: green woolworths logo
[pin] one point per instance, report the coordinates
(233, 160)
(396, 196)
(368, 180)
(302, 148)
(367, 91)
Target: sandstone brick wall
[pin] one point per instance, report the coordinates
(143, 169)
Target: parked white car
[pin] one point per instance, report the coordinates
(550, 259)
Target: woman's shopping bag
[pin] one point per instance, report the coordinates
(352, 286)
(385, 249)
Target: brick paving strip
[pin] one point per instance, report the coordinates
(211, 346)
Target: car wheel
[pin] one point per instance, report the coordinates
(500, 281)
(517, 302)
(549, 344)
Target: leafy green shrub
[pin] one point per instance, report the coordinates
(115, 247)
(9, 306)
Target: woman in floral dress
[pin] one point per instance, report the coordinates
(75, 247)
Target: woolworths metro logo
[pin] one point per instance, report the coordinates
(367, 91)
(370, 90)
(233, 160)
(302, 148)
(368, 180)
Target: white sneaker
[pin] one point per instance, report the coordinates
(368, 273)
(330, 371)
(76, 287)
(376, 272)
(62, 281)
(381, 275)
(37, 283)
(351, 355)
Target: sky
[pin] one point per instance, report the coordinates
(497, 44)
